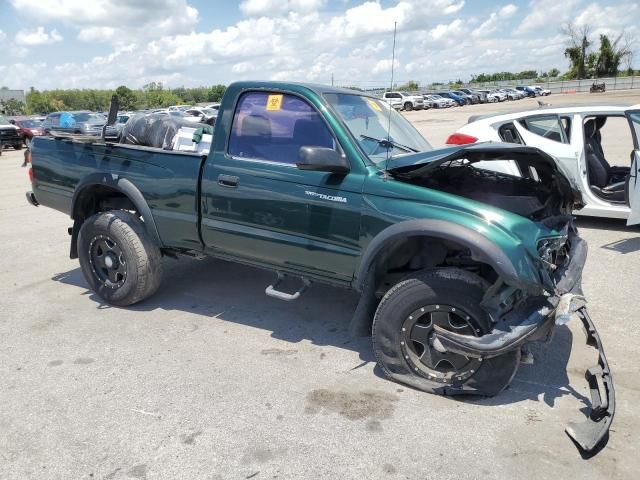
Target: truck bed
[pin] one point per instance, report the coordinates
(168, 180)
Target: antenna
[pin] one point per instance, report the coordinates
(393, 61)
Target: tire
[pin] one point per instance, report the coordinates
(17, 146)
(119, 237)
(447, 289)
(408, 106)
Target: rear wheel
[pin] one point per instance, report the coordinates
(408, 106)
(118, 258)
(18, 146)
(403, 328)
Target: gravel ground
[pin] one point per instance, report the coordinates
(212, 379)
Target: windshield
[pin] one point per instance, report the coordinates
(29, 123)
(367, 119)
(89, 118)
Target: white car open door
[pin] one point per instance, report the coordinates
(546, 132)
(634, 175)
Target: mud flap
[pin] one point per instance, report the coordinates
(590, 436)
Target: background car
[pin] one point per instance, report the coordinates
(541, 90)
(472, 97)
(592, 145)
(456, 98)
(201, 114)
(482, 96)
(407, 100)
(9, 135)
(28, 128)
(528, 91)
(78, 122)
(179, 108)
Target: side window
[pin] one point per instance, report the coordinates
(547, 126)
(566, 125)
(273, 127)
(509, 134)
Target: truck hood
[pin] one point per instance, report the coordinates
(422, 164)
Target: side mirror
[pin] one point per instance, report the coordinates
(322, 159)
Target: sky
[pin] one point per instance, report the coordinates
(105, 43)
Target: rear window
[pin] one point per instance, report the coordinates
(547, 126)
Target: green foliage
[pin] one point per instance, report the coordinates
(501, 76)
(410, 86)
(152, 95)
(12, 107)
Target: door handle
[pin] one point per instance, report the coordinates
(230, 181)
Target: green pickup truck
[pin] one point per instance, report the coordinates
(458, 267)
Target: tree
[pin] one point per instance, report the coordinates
(577, 45)
(410, 86)
(553, 73)
(611, 55)
(12, 106)
(127, 99)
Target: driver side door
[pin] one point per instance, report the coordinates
(633, 184)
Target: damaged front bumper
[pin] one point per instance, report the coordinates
(534, 320)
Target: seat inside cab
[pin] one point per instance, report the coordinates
(607, 142)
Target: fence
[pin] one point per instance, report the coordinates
(555, 85)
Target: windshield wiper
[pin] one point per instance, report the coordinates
(388, 143)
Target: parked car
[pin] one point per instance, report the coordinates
(28, 127)
(541, 90)
(9, 135)
(472, 97)
(492, 97)
(200, 114)
(327, 186)
(574, 136)
(455, 97)
(512, 93)
(482, 96)
(178, 108)
(407, 101)
(436, 101)
(78, 122)
(528, 91)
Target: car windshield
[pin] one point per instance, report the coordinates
(29, 123)
(90, 118)
(369, 119)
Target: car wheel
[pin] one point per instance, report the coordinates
(18, 146)
(118, 258)
(403, 325)
(408, 106)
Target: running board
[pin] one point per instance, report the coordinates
(272, 290)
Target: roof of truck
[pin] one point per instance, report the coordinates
(316, 87)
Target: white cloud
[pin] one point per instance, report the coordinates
(39, 36)
(128, 20)
(2, 35)
(384, 66)
(609, 19)
(269, 8)
(496, 19)
(545, 13)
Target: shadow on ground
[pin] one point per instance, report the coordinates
(214, 288)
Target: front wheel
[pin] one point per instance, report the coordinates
(118, 257)
(403, 329)
(408, 106)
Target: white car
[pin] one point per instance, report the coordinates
(179, 108)
(438, 102)
(541, 90)
(495, 95)
(407, 101)
(592, 145)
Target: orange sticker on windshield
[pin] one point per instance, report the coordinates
(374, 105)
(274, 103)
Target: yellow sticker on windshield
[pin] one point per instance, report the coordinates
(274, 103)
(374, 105)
